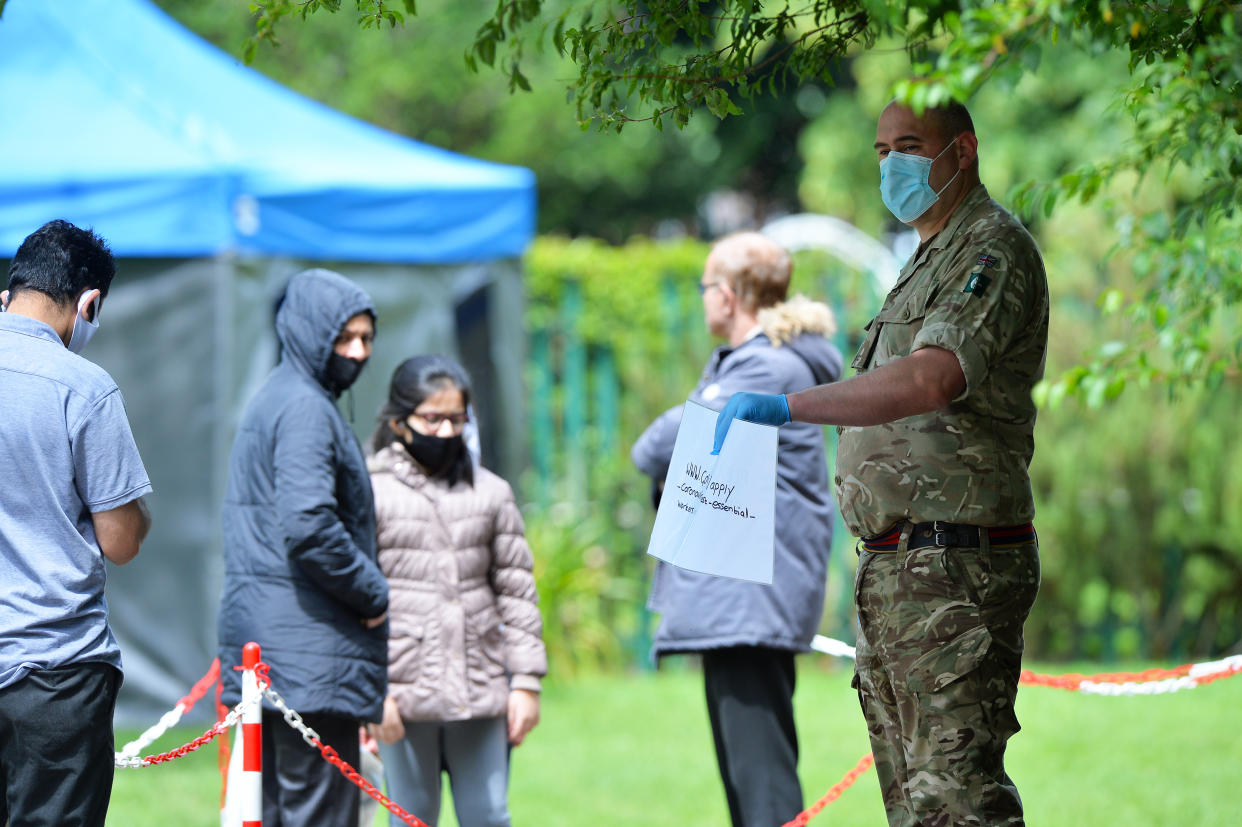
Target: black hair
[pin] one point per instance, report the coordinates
(950, 119)
(413, 381)
(62, 261)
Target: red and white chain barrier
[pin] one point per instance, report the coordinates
(1147, 682)
(222, 726)
(834, 792)
(256, 685)
(173, 716)
(330, 755)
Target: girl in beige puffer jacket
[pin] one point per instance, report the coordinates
(465, 653)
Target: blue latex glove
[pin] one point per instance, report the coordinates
(764, 408)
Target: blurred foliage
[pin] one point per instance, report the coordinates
(1181, 92)
(412, 80)
(1139, 531)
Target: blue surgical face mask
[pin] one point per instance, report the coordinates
(82, 329)
(904, 187)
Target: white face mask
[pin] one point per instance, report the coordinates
(82, 329)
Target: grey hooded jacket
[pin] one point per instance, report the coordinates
(300, 571)
(700, 611)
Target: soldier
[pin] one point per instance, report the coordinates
(936, 435)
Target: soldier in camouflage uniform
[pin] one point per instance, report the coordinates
(936, 435)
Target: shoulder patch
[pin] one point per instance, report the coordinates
(986, 260)
(977, 283)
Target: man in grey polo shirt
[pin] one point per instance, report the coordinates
(70, 497)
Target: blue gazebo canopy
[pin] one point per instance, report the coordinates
(117, 117)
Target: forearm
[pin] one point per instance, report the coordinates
(120, 531)
(927, 380)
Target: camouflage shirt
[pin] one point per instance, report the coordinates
(977, 289)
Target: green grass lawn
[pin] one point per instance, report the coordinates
(636, 749)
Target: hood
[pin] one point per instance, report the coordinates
(316, 306)
(804, 326)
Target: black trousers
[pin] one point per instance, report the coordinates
(750, 703)
(56, 746)
(300, 788)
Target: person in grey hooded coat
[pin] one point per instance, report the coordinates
(300, 570)
(747, 632)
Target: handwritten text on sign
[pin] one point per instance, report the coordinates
(709, 488)
(716, 515)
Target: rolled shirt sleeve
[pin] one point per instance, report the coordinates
(984, 301)
(108, 470)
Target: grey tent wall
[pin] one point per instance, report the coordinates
(189, 342)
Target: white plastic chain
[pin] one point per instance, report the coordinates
(832, 646)
(1230, 664)
(127, 761)
(1198, 671)
(292, 718)
(146, 739)
(1161, 687)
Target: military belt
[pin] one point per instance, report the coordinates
(948, 535)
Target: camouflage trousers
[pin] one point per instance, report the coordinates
(939, 653)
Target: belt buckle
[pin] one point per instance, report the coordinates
(941, 534)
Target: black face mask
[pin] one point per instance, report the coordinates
(436, 454)
(343, 372)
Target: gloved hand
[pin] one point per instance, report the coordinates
(764, 408)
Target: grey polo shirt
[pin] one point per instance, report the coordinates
(66, 452)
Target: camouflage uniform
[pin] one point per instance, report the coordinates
(940, 628)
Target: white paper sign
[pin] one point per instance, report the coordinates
(716, 513)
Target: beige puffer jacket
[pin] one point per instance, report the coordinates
(463, 614)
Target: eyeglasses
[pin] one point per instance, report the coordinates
(435, 420)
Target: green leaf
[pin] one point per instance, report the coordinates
(485, 48)
(519, 79)
(1110, 301)
(1095, 389)
(1056, 395)
(1040, 394)
(558, 35)
(1111, 350)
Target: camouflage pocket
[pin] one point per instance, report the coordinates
(865, 658)
(863, 559)
(950, 637)
(934, 670)
(896, 329)
(864, 669)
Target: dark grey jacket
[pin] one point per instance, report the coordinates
(700, 611)
(300, 571)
